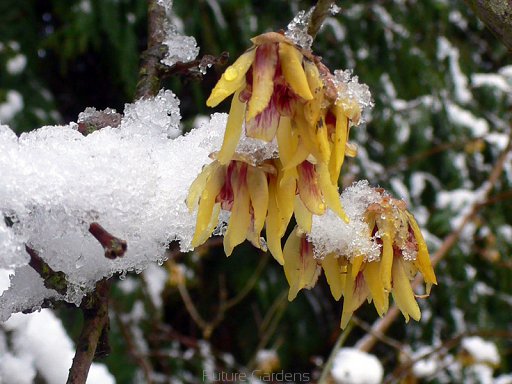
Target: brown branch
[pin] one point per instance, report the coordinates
(114, 247)
(446, 345)
(497, 16)
(381, 325)
(93, 336)
(52, 279)
(320, 13)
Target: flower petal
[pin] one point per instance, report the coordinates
(233, 130)
(198, 185)
(386, 260)
(240, 218)
(206, 203)
(264, 125)
(335, 274)
(273, 222)
(285, 192)
(300, 267)
(402, 292)
(286, 141)
(309, 190)
(422, 261)
(313, 107)
(354, 294)
(263, 71)
(291, 64)
(339, 143)
(330, 191)
(232, 79)
(371, 275)
(258, 192)
(303, 216)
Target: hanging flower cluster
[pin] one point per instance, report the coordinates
(403, 253)
(283, 95)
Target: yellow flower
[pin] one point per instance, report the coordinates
(283, 91)
(239, 187)
(403, 254)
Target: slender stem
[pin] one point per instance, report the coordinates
(320, 13)
(381, 325)
(95, 311)
(339, 343)
(52, 279)
(149, 77)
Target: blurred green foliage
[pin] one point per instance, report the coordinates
(84, 53)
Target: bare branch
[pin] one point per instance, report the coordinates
(321, 11)
(497, 16)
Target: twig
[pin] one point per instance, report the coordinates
(339, 343)
(137, 356)
(404, 368)
(320, 13)
(381, 325)
(95, 311)
(114, 247)
(52, 279)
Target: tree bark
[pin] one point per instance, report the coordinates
(497, 16)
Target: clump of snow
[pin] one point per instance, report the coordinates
(161, 115)
(12, 105)
(352, 366)
(40, 344)
(491, 80)
(297, 29)
(350, 90)
(12, 251)
(15, 65)
(331, 234)
(181, 48)
(482, 351)
(56, 182)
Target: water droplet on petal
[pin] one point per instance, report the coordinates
(231, 74)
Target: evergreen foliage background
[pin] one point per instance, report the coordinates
(85, 53)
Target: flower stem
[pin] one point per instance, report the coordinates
(321, 11)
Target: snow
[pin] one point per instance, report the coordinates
(491, 80)
(481, 350)
(352, 366)
(155, 277)
(427, 366)
(41, 344)
(133, 180)
(460, 81)
(181, 48)
(331, 234)
(11, 107)
(297, 29)
(16, 64)
(465, 118)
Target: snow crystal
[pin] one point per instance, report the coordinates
(39, 342)
(12, 251)
(16, 370)
(349, 89)
(12, 106)
(133, 184)
(181, 48)
(352, 366)
(482, 351)
(297, 29)
(16, 64)
(331, 234)
(161, 115)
